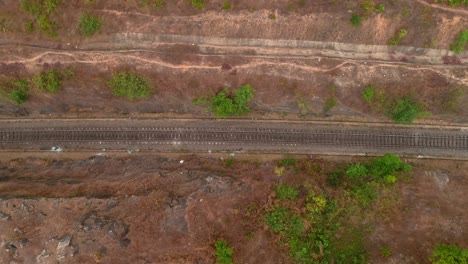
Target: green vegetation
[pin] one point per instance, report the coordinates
(49, 81)
(199, 4)
(288, 163)
(369, 93)
(272, 16)
(449, 254)
(42, 10)
(355, 20)
(380, 8)
(385, 252)
(460, 42)
(296, 4)
(130, 85)
(330, 102)
(396, 40)
(402, 110)
(89, 24)
(227, 5)
(452, 100)
(159, 4)
(368, 6)
(453, 3)
(405, 110)
(286, 192)
(224, 104)
(29, 27)
(223, 252)
(323, 225)
(16, 91)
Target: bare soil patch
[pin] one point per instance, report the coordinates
(147, 208)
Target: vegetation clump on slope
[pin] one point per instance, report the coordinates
(42, 10)
(225, 104)
(130, 86)
(460, 42)
(89, 24)
(315, 226)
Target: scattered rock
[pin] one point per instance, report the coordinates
(18, 230)
(44, 254)
(4, 217)
(10, 248)
(63, 243)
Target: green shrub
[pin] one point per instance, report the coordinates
(460, 42)
(368, 6)
(29, 27)
(406, 109)
(355, 20)
(330, 102)
(227, 5)
(449, 254)
(288, 162)
(388, 164)
(385, 252)
(89, 24)
(18, 96)
(224, 104)
(199, 4)
(41, 10)
(380, 8)
(369, 93)
(286, 192)
(396, 40)
(159, 4)
(284, 221)
(365, 193)
(130, 85)
(453, 3)
(50, 81)
(452, 101)
(223, 252)
(357, 171)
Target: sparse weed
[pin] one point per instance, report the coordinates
(453, 3)
(41, 11)
(50, 81)
(380, 8)
(369, 93)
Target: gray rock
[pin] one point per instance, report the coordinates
(4, 217)
(10, 248)
(44, 254)
(64, 242)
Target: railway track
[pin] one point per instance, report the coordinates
(416, 141)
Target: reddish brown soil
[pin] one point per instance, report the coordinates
(286, 87)
(150, 209)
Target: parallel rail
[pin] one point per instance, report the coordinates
(372, 139)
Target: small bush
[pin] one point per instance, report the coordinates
(288, 163)
(452, 101)
(29, 27)
(286, 192)
(396, 40)
(89, 24)
(365, 193)
(227, 5)
(357, 171)
(453, 3)
(449, 254)
(18, 96)
(380, 8)
(199, 4)
(406, 109)
(130, 85)
(330, 102)
(50, 81)
(388, 164)
(368, 6)
(369, 93)
(159, 4)
(41, 11)
(224, 104)
(223, 252)
(385, 252)
(460, 42)
(355, 20)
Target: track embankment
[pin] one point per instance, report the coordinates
(231, 135)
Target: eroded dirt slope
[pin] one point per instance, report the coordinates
(149, 209)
